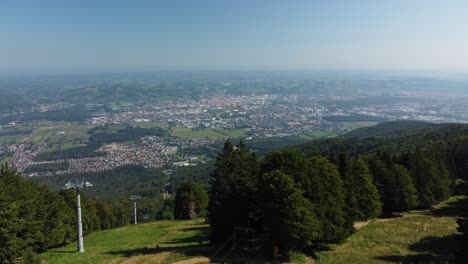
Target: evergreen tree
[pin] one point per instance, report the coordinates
(10, 243)
(431, 177)
(326, 192)
(342, 162)
(406, 194)
(31, 216)
(233, 187)
(104, 214)
(288, 217)
(363, 196)
(291, 162)
(395, 185)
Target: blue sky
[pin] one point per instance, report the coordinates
(233, 35)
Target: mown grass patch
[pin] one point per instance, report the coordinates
(424, 236)
(157, 242)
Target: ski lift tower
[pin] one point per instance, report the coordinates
(134, 198)
(77, 185)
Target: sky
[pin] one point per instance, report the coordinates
(233, 35)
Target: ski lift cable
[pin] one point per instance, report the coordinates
(229, 252)
(223, 246)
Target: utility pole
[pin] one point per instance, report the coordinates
(78, 186)
(134, 198)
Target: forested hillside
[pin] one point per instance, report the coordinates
(307, 195)
(34, 217)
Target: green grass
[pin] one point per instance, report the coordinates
(5, 160)
(152, 124)
(233, 133)
(297, 257)
(217, 134)
(11, 139)
(74, 134)
(318, 135)
(423, 236)
(121, 104)
(419, 236)
(177, 240)
(64, 147)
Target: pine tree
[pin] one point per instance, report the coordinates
(362, 191)
(232, 192)
(406, 194)
(288, 217)
(326, 192)
(290, 162)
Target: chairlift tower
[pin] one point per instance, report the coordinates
(134, 198)
(77, 185)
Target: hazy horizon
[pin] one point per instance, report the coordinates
(54, 37)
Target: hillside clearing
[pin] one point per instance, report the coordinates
(157, 242)
(417, 236)
(424, 236)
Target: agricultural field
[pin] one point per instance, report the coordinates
(318, 135)
(121, 104)
(216, 134)
(15, 134)
(425, 236)
(60, 134)
(152, 124)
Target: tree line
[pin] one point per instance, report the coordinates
(299, 202)
(33, 217)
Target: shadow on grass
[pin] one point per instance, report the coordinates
(430, 249)
(63, 251)
(196, 228)
(192, 250)
(390, 215)
(199, 239)
(458, 207)
(421, 258)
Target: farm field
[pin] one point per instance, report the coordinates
(60, 134)
(216, 134)
(318, 135)
(152, 124)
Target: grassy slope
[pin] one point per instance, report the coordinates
(137, 244)
(419, 236)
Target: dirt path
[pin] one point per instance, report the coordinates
(359, 225)
(310, 260)
(194, 261)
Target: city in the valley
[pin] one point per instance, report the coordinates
(101, 124)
